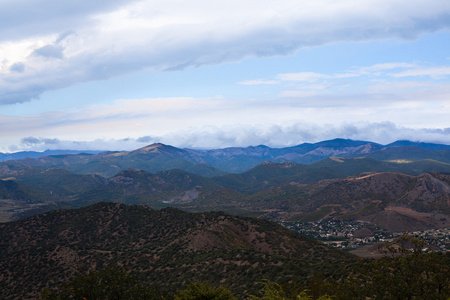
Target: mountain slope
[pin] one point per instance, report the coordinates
(411, 153)
(354, 166)
(133, 186)
(424, 199)
(269, 174)
(59, 182)
(167, 247)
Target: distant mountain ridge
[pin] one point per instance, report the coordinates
(35, 154)
(159, 157)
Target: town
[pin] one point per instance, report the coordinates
(350, 234)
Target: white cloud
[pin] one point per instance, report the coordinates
(435, 72)
(258, 82)
(25, 18)
(402, 85)
(308, 84)
(385, 66)
(299, 94)
(303, 76)
(118, 37)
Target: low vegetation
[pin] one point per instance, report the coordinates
(408, 271)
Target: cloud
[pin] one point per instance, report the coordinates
(298, 94)
(374, 70)
(406, 104)
(38, 144)
(146, 139)
(403, 85)
(35, 18)
(379, 78)
(435, 72)
(385, 66)
(17, 67)
(303, 76)
(33, 141)
(258, 82)
(49, 51)
(216, 122)
(119, 37)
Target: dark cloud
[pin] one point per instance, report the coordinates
(49, 51)
(17, 67)
(145, 139)
(20, 96)
(32, 141)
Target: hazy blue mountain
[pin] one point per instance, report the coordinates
(430, 146)
(35, 154)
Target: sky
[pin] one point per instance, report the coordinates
(119, 75)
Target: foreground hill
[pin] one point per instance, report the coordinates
(168, 248)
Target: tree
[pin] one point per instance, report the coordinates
(111, 283)
(409, 270)
(275, 291)
(204, 291)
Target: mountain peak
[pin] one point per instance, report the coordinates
(154, 148)
(339, 142)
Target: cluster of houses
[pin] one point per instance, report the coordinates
(348, 234)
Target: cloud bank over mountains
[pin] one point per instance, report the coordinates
(243, 136)
(53, 44)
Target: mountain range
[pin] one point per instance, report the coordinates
(159, 157)
(400, 193)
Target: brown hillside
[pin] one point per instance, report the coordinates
(393, 201)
